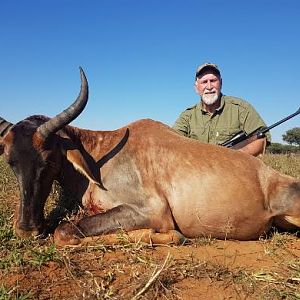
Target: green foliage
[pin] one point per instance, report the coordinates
(6, 232)
(277, 148)
(12, 294)
(42, 255)
(292, 136)
(13, 259)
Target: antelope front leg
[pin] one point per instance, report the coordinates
(99, 226)
(120, 217)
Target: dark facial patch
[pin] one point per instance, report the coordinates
(295, 188)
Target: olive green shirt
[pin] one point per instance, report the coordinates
(232, 116)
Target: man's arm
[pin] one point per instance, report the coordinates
(182, 124)
(255, 147)
(252, 122)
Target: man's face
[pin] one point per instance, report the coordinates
(208, 86)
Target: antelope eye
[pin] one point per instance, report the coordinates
(11, 161)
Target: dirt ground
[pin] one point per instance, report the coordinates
(202, 269)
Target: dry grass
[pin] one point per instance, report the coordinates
(287, 164)
(204, 268)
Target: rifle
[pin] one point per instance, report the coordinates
(242, 138)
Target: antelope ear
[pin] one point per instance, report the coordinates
(75, 157)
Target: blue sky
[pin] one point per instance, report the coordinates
(140, 57)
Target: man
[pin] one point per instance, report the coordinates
(217, 118)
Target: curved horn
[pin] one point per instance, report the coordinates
(4, 127)
(69, 114)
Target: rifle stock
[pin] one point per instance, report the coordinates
(245, 142)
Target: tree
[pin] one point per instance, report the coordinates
(277, 148)
(292, 136)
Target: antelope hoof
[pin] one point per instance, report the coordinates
(67, 234)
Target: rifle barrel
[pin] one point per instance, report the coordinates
(259, 133)
(281, 121)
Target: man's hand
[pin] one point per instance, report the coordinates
(255, 147)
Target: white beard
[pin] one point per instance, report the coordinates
(210, 99)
